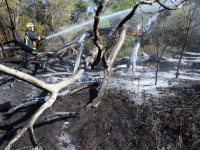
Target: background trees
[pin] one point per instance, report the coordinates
(53, 16)
(46, 15)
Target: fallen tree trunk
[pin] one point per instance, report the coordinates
(53, 88)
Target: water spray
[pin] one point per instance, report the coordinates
(144, 8)
(88, 22)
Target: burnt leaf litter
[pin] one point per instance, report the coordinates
(170, 122)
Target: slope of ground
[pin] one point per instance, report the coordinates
(134, 114)
(170, 122)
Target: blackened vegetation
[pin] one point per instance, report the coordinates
(5, 107)
(170, 122)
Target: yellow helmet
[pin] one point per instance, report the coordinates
(29, 25)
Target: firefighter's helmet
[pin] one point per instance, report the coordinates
(29, 25)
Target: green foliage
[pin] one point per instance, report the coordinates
(4, 13)
(123, 5)
(172, 32)
(80, 11)
(127, 46)
(51, 14)
(46, 15)
(104, 24)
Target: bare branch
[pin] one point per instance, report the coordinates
(32, 120)
(53, 88)
(5, 22)
(26, 77)
(78, 58)
(23, 105)
(107, 73)
(178, 6)
(57, 115)
(32, 136)
(188, 27)
(96, 22)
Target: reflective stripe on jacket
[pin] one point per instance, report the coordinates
(30, 37)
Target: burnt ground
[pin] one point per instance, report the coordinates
(169, 122)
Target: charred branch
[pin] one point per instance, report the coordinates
(176, 6)
(56, 74)
(5, 106)
(78, 59)
(80, 87)
(108, 46)
(23, 105)
(6, 34)
(152, 22)
(3, 20)
(53, 88)
(143, 30)
(188, 27)
(96, 23)
(12, 22)
(105, 81)
(56, 116)
(95, 30)
(159, 58)
(41, 100)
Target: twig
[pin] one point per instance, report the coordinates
(57, 115)
(32, 136)
(159, 58)
(154, 128)
(189, 22)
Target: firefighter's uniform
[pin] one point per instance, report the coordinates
(30, 37)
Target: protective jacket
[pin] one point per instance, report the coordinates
(30, 37)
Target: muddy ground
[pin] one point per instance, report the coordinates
(169, 122)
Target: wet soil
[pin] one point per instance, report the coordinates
(118, 123)
(170, 122)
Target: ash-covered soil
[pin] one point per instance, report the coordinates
(167, 117)
(170, 122)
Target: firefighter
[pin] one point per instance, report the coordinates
(29, 38)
